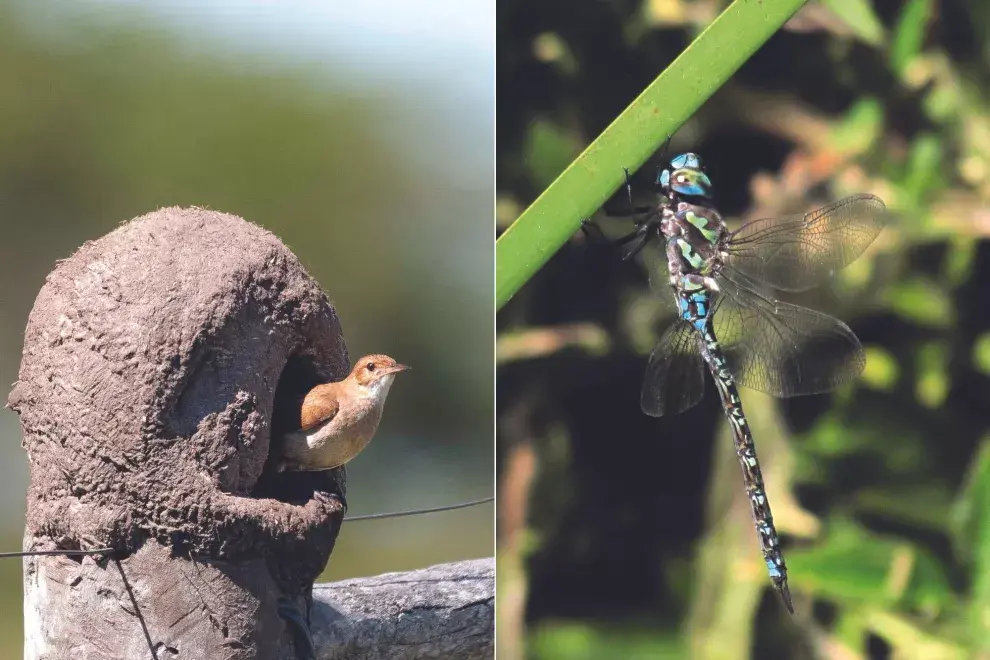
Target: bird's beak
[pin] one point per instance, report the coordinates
(397, 368)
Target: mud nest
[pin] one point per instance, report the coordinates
(156, 361)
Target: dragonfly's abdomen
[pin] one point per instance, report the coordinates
(694, 300)
(746, 452)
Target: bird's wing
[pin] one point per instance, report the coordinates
(317, 409)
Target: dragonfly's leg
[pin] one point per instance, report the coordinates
(637, 234)
(631, 209)
(666, 146)
(642, 237)
(587, 225)
(636, 210)
(599, 236)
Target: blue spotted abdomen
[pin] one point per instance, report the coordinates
(695, 307)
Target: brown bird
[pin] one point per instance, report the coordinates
(339, 419)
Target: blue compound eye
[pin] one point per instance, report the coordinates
(664, 179)
(687, 181)
(688, 160)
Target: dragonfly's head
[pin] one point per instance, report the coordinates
(685, 176)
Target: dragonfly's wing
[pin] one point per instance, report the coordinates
(675, 379)
(798, 252)
(783, 349)
(654, 258)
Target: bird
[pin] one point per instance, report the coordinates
(337, 420)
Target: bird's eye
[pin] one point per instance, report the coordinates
(372, 366)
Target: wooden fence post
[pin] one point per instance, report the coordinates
(157, 362)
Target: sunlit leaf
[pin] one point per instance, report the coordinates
(959, 261)
(859, 127)
(881, 371)
(933, 379)
(855, 567)
(570, 641)
(921, 301)
(911, 641)
(971, 523)
(917, 505)
(549, 47)
(981, 353)
(530, 343)
(909, 34)
(860, 17)
(548, 150)
(924, 166)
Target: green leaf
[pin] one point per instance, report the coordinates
(638, 132)
(981, 353)
(920, 505)
(921, 301)
(860, 17)
(570, 641)
(881, 371)
(933, 379)
(860, 127)
(909, 34)
(959, 261)
(547, 150)
(911, 641)
(924, 166)
(971, 525)
(855, 567)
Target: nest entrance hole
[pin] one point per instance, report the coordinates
(299, 376)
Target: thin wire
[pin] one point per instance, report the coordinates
(413, 512)
(120, 568)
(137, 610)
(370, 516)
(127, 585)
(50, 553)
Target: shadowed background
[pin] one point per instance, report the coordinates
(623, 536)
(361, 135)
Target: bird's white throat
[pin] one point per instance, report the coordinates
(378, 390)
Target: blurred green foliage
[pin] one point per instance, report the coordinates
(380, 181)
(628, 141)
(636, 541)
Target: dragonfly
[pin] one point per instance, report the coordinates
(726, 320)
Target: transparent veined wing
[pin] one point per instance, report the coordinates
(675, 378)
(654, 259)
(795, 253)
(783, 349)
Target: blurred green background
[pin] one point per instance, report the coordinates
(361, 135)
(624, 536)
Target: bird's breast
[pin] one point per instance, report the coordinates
(335, 442)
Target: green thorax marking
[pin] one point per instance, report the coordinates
(699, 263)
(708, 228)
(691, 256)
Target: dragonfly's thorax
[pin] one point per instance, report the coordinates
(699, 233)
(694, 236)
(701, 222)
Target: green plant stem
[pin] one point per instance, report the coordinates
(638, 132)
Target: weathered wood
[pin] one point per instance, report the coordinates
(445, 611)
(156, 361)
